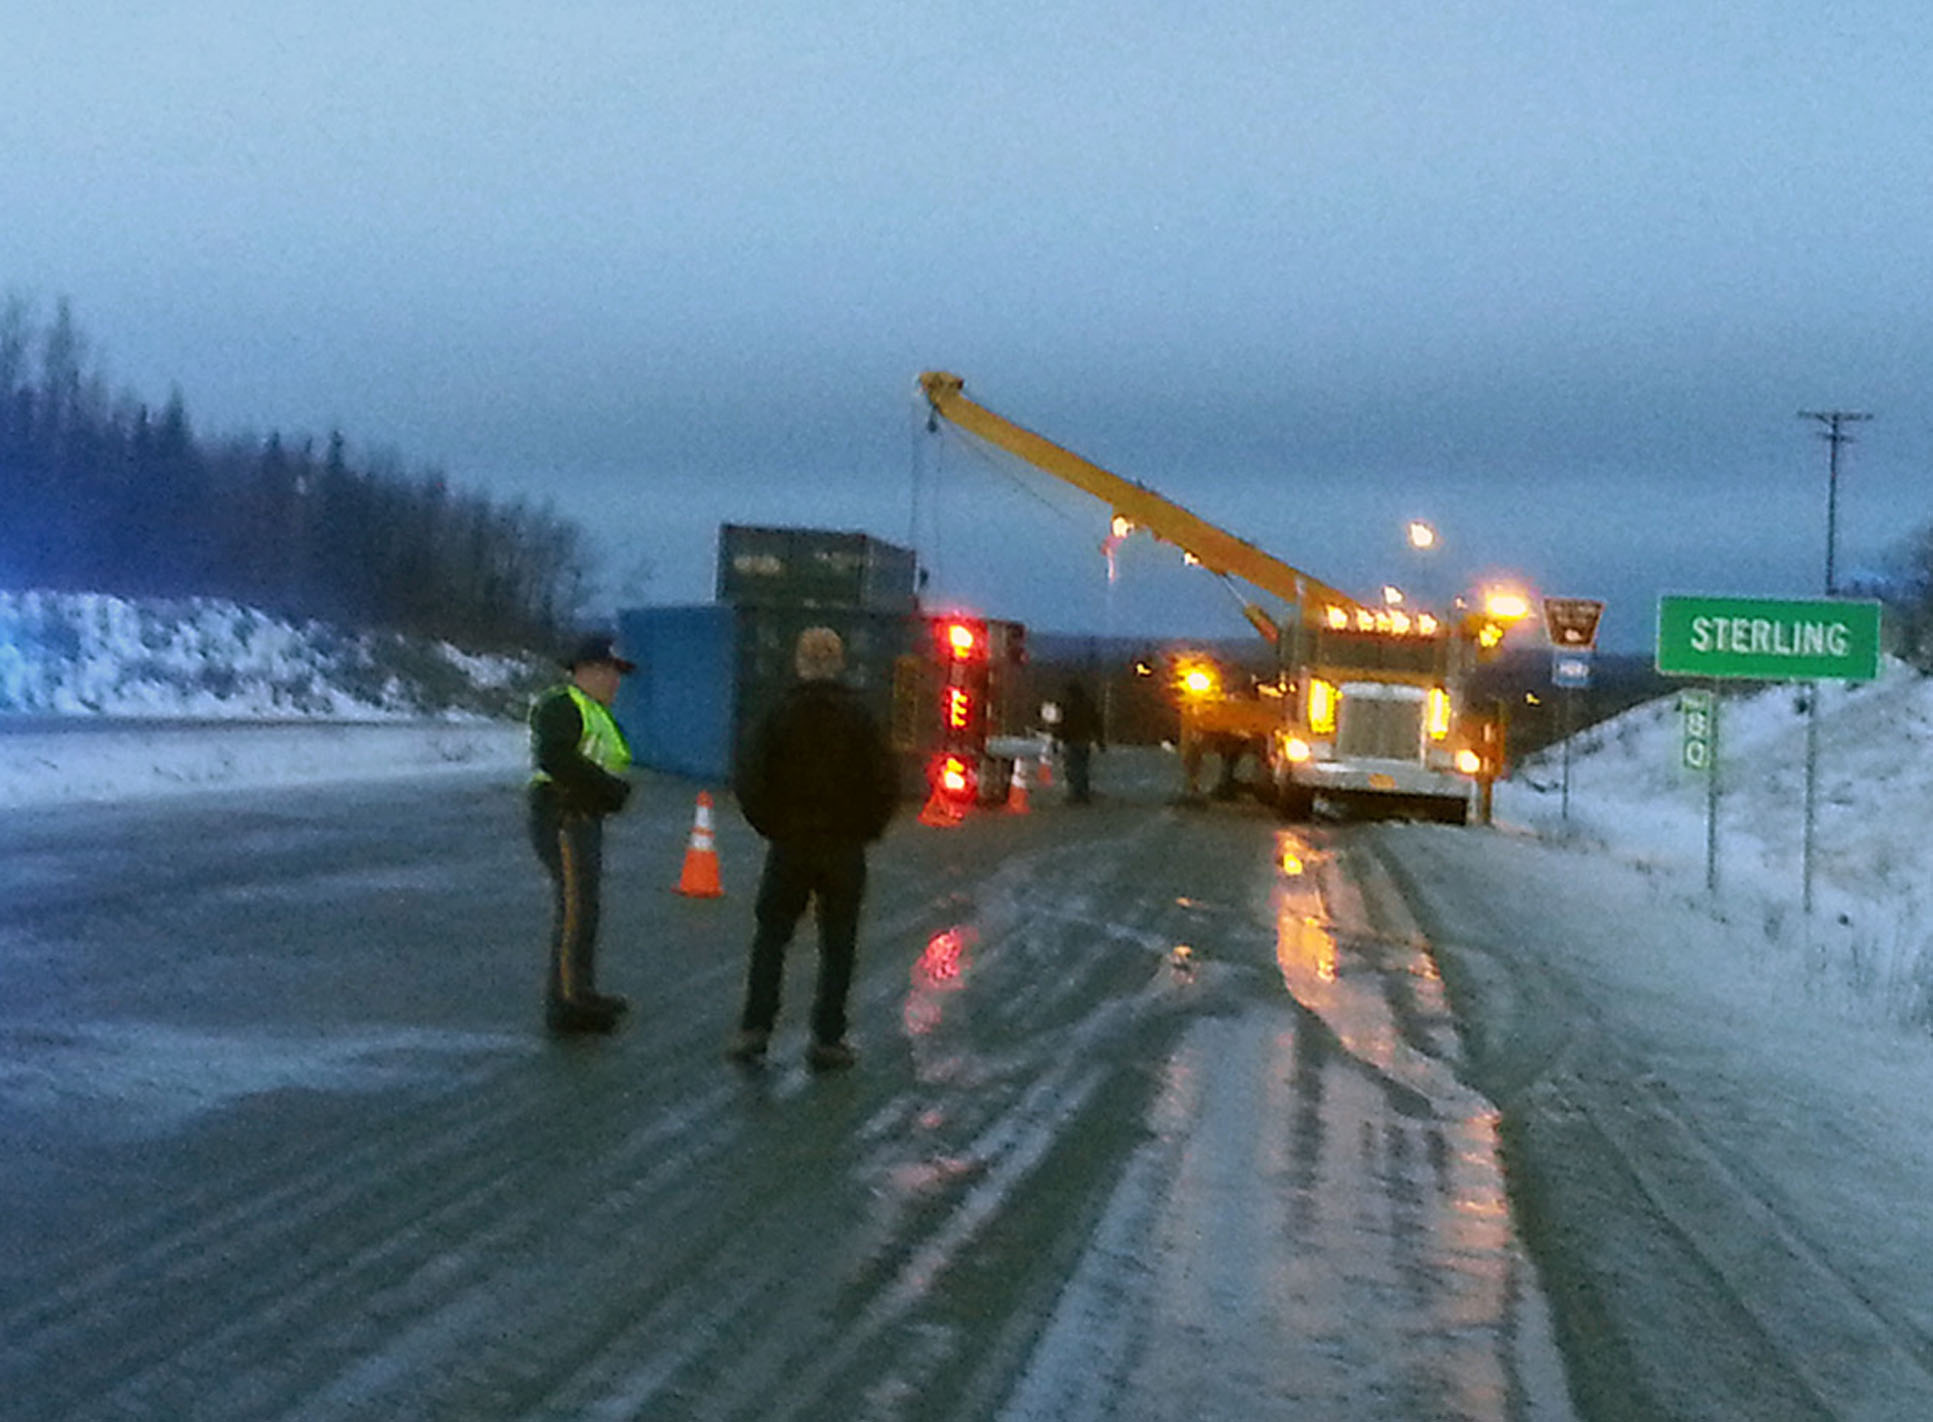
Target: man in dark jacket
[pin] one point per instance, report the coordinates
(580, 756)
(817, 781)
(1080, 732)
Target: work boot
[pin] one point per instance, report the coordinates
(577, 1016)
(830, 1056)
(749, 1046)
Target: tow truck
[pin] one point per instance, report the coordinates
(1367, 704)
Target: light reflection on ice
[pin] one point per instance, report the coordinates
(939, 971)
(1401, 1206)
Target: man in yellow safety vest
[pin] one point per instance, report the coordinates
(580, 757)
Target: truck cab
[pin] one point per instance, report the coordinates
(1375, 714)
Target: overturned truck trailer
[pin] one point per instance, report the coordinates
(945, 686)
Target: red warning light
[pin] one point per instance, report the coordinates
(962, 639)
(954, 779)
(959, 708)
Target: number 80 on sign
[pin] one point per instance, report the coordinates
(1696, 705)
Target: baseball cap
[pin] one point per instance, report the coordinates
(598, 648)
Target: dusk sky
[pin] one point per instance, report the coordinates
(1557, 276)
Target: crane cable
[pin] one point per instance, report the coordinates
(997, 461)
(1002, 463)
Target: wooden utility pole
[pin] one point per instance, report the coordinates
(1835, 435)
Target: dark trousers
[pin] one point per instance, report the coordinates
(571, 847)
(1079, 756)
(831, 876)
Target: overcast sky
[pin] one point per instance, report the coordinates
(1557, 276)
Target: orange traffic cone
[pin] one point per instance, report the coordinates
(1017, 788)
(941, 811)
(952, 785)
(700, 877)
(1045, 774)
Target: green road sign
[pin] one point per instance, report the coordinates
(1768, 639)
(1699, 727)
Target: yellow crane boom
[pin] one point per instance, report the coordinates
(1216, 549)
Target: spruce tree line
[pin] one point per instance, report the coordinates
(102, 493)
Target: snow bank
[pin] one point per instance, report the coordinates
(92, 689)
(1632, 798)
(42, 768)
(75, 654)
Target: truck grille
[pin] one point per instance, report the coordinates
(1376, 728)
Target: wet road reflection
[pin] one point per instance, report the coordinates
(1395, 1162)
(1156, 1117)
(1319, 1227)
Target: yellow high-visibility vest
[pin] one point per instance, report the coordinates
(601, 742)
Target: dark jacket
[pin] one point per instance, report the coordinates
(575, 784)
(1080, 719)
(817, 767)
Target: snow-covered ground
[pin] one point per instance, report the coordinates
(1633, 800)
(90, 654)
(129, 761)
(102, 698)
(1751, 1083)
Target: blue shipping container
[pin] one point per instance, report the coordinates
(705, 671)
(678, 707)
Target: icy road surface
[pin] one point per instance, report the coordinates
(1724, 1176)
(1156, 1118)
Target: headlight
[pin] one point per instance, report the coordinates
(1322, 707)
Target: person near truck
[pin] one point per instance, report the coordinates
(579, 757)
(817, 781)
(1080, 733)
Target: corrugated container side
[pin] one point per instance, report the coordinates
(705, 672)
(1009, 711)
(875, 640)
(805, 567)
(679, 708)
(892, 578)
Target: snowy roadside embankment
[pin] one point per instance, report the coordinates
(204, 658)
(103, 698)
(97, 764)
(1718, 1105)
(1632, 798)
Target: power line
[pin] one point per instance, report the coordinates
(1834, 435)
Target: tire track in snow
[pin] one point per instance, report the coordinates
(1688, 1290)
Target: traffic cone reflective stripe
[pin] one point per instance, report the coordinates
(1017, 788)
(700, 877)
